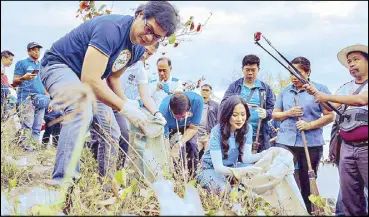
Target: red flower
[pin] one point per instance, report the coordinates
(257, 36)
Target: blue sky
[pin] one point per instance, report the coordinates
(316, 30)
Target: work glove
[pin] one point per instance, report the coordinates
(131, 110)
(261, 113)
(159, 116)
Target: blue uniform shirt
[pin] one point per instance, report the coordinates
(288, 133)
(197, 107)
(30, 86)
(215, 144)
(110, 34)
(245, 92)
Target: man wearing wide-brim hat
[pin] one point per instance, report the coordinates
(353, 162)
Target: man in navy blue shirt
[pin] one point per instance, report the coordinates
(183, 112)
(97, 53)
(27, 79)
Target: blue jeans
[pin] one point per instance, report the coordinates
(31, 119)
(57, 76)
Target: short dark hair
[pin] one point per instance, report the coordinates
(303, 62)
(164, 58)
(207, 85)
(365, 55)
(250, 60)
(179, 103)
(6, 53)
(164, 14)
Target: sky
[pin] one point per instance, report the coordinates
(316, 30)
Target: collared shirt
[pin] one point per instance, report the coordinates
(30, 86)
(204, 119)
(158, 94)
(288, 133)
(131, 78)
(349, 88)
(245, 92)
(197, 107)
(109, 34)
(215, 144)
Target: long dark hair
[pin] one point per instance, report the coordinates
(225, 128)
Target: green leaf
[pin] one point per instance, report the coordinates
(120, 177)
(101, 8)
(210, 213)
(193, 182)
(13, 183)
(126, 191)
(134, 185)
(172, 39)
(234, 194)
(188, 23)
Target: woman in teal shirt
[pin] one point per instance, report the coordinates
(230, 146)
(313, 118)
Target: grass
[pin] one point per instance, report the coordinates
(91, 197)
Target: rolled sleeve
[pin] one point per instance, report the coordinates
(105, 37)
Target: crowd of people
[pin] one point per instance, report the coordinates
(108, 53)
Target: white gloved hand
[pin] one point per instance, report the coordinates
(261, 113)
(131, 110)
(159, 116)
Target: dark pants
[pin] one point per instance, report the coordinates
(353, 169)
(191, 153)
(300, 157)
(53, 130)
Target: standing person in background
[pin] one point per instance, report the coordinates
(251, 89)
(30, 89)
(6, 61)
(209, 118)
(353, 162)
(165, 85)
(313, 118)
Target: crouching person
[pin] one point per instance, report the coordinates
(183, 113)
(229, 147)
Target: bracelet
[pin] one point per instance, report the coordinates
(156, 112)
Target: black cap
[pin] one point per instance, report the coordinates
(32, 45)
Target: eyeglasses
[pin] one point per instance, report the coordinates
(205, 90)
(180, 117)
(150, 31)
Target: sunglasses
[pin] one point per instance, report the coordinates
(149, 30)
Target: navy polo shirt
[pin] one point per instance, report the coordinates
(110, 34)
